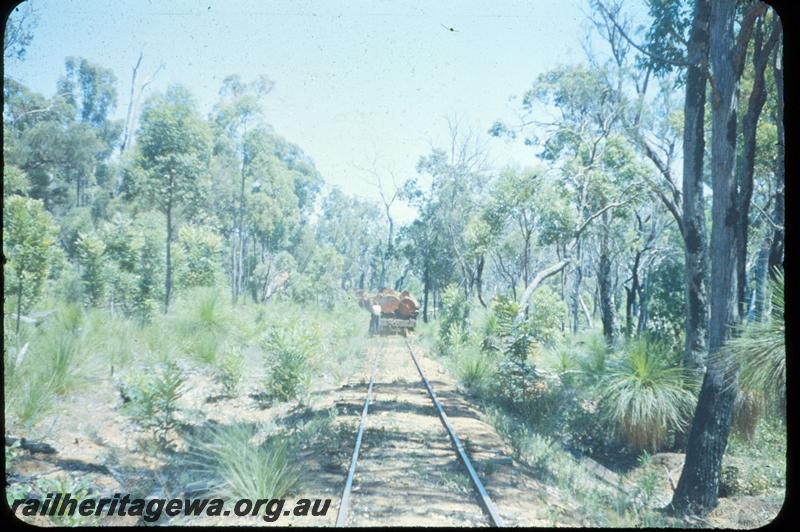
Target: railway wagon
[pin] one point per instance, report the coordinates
(391, 312)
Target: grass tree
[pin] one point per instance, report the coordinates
(646, 395)
(760, 352)
(173, 150)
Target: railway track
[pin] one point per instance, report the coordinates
(486, 503)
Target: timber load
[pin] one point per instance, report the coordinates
(398, 310)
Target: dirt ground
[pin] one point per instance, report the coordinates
(408, 473)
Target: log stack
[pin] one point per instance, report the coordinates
(398, 309)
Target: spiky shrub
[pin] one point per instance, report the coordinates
(760, 351)
(525, 390)
(32, 400)
(229, 372)
(238, 466)
(203, 321)
(645, 396)
(474, 368)
(154, 399)
(59, 349)
(594, 356)
(77, 488)
(562, 360)
(290, 352)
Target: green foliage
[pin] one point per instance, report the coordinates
(203, 319)
(594, 355)
(666, 304)
(645, 395)
(239, 466)
(154, 396)
(760, 351)
(319, 283)
(545, 312)
(15, 181)
(452, 323)
(172, 150)
(92, 262)
(136, 252)
(474, 368)
(228, 373)
(78, 489)
(290, 352)
(521, 387)
(500, 322)
(61, 349)
(201, 256)
(29, 399)
(28, 246)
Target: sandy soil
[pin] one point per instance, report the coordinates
(408, 473)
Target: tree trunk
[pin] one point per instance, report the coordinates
(586, 313)
(19, 305)
(693, 205)
(642, 295)
(479, 279)
(758, 96)
(779, 209)
(425, 290)
(576, 288)
(535, 282)
(238, 271)
(387, 254)
(168, 281)
(760, 281)
(630, 295)
(126, 128)
(604, 285)
(698, 486)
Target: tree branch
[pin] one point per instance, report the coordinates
(537, 280)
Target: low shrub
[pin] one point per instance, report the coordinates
(153, 399)
(228, 373)
(290, 353)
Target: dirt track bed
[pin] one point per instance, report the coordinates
(408, 473)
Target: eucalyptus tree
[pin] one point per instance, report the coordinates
(697, 489)
(457, 178)
(766, 34)
(580, 139)
(236, 114)
(171, 162)
(348, 224)
(37, 140)
(272, 212)
(676, 41)
(90, 89)
(775, 260)
(18, 33)
(513, 206)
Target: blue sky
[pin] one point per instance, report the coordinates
(355, 82)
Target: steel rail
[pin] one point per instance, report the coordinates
(485, 500)
(344, 505)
